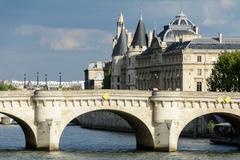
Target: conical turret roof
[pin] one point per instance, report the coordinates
(140, 38)
(121, 46)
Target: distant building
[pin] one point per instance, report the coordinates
(178, 58)
(50, 84)
(94, 75)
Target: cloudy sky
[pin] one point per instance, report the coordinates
(52, 36)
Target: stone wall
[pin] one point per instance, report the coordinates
(105, 121)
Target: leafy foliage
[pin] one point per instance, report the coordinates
(226, 73)
(7, 87)
(107, 80)
(210, 126)
(75, 87)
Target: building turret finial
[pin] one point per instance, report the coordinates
(141, 10)
(139, 38)
(120, 18)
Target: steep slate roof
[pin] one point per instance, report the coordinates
(232, 43)
(177, 46)
(121, 46)
(169, 34)
(150, 50)
(140, 38)
(181, 25)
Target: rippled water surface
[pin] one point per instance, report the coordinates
(78, 143)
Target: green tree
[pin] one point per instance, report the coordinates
(7, 87)
(210, 126)
(226, 73)
(107, 79)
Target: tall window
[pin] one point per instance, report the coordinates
(199, 58)
(199, 72)
(199, 86)
(129, 61)
(118, 79)
(129, 78)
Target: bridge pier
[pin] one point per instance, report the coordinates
(48, 121)
(166, 116)
(165, 137)
(48, 135)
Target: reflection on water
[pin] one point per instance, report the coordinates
(78, 143)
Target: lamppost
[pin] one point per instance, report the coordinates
(46, 83)
(156, 79)
(37, 79)
(136, 82)
(178, 82)
(25, 79)
(60, 79)
(238, 87)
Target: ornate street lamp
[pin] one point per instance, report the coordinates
(178, 86)
(37, 79)
(156, 79)
(25, 79)
(46, 82)
(60, 79)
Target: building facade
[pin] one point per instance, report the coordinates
(178, 58)
(125, 51)
(95, 73)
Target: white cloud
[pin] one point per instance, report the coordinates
(218, 12)
(227, 3)
(211, 18)
(67, 39)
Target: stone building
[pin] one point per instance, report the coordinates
(94, 75)
(178, 58)
(125, 51)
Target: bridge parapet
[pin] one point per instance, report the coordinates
(94, 98)
(172, 106)
(196, 99)
(15, 98)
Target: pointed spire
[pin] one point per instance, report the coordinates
(139, 38)
(180, 14)
(141, 17)
(120, 18)
(121, 46)
(154, 32)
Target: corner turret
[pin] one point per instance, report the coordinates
(120, 48)
(140, 38)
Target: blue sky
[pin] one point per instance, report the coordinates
(49, 36)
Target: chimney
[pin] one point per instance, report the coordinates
(196, 29)
(220, 37)
(150, 37)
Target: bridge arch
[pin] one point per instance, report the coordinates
(231, 116)
(27, 127)
(143, 134)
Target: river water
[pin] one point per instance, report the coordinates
(83, 144)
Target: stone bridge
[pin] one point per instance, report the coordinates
(157, 118)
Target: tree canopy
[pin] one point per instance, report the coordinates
(107, 79)
(6, 87)
(226, 73)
